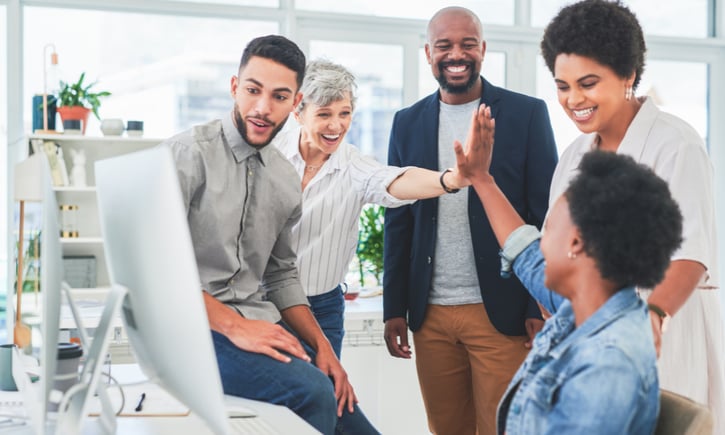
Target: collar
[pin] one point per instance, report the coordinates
(240, 148)
(289, 146)
(635, 137)
(616, 306)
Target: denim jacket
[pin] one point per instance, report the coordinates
(598, 378)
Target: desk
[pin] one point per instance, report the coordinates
(279, 417)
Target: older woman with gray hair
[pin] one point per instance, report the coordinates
(337, 181)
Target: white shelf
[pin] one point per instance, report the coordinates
(81, 240)
(70, 189)
(100, 139)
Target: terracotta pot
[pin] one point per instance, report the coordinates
(75, 112)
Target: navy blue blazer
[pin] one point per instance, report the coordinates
(524, 157)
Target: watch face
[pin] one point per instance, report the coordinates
(665, 322)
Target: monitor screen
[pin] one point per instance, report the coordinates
(37, 394)
(149, 251)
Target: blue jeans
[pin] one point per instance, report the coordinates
(298, 385)
(329, 310)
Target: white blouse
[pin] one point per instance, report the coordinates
(675, 151)
(326, 236)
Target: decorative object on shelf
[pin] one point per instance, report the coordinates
(134, 128)
(46, 99)
(79, 271)
(112, 127)
(27, 187)
(72, 126)
(39, 111)
(78, 173)
(69, 220)
(370, 243)
(76, 101)
(54, 154)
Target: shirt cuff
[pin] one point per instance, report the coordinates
(516, 242)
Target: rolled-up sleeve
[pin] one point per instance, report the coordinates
(516, 242)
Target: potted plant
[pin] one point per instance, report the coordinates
(76, 101)
(370, 243)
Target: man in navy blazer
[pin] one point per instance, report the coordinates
(470, 326)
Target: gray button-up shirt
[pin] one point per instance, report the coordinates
(241, 205)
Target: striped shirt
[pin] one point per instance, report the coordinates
(326, 236)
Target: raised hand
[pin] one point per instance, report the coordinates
(474, 160)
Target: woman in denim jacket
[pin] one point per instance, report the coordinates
(592, 368)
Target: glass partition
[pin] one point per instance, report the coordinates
(673, 18)
(489, 11)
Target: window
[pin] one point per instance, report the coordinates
(378, 69)
(489, 11)
(684, 19)
(179, 79)
(259, 3)
(4, 198)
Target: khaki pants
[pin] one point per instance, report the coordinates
(464, 366)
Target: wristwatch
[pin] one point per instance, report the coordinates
(443, 184)
(662, 314)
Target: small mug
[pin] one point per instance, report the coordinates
(134, 128)
(7, 382)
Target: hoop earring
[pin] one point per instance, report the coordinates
(570, 255)
(628, 93)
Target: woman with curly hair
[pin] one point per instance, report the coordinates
(592, 368)
(595, 50)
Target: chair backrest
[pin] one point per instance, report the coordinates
(682, 416)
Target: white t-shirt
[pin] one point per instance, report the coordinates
(675, 151)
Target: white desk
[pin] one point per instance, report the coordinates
(279, 417)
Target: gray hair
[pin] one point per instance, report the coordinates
(326, 82)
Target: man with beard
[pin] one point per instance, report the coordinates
(471, 328)
(242, 198)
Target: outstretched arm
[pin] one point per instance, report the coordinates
(419, 183)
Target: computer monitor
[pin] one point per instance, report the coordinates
(37, 394)
(149, 251)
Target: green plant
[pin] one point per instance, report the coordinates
(76, 94)
(370, 242)
(31, 262)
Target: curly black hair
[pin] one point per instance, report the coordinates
(279, 49)
(606, 31)
(629, 223)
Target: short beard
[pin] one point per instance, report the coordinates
(456, 89)
(242, 129)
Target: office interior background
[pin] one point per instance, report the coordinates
(168, 63)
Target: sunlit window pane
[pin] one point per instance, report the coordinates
(380, 89)
(684, 18)
(493, 69)
(161, 72)
(3, 164)
(662, 80)
(489, 11)
(260, 3)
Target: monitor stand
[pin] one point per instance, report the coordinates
(74, 405)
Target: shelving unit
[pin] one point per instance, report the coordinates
(90, 240)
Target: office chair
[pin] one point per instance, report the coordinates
(682, 416)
